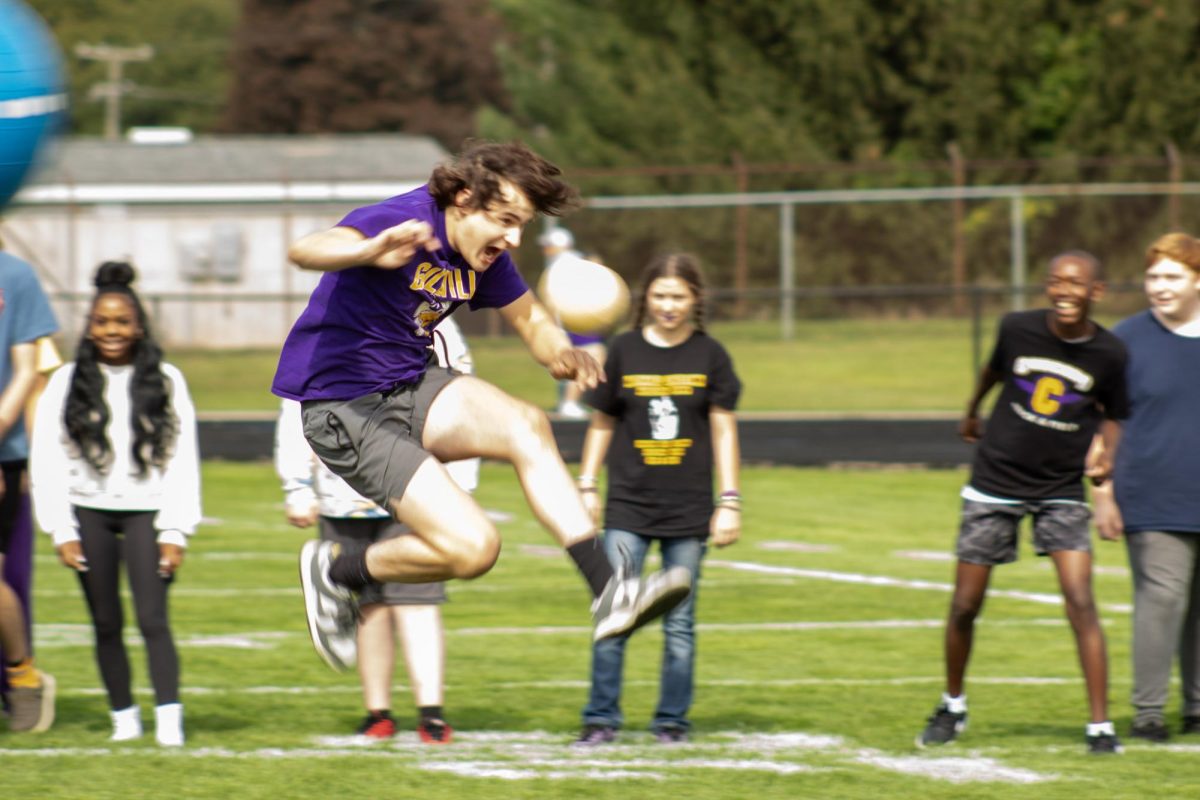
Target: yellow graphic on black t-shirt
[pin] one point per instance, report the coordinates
(664, 385)
(663, 448)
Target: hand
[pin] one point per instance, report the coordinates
(579, 366)
(725, 526)
(71, 555)
(591, 502)
(302, 519)
(394, 247)
(170, 556)
(1109, 522)
(970, 428)
(1098, 469)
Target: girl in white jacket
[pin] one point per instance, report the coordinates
(116, 475)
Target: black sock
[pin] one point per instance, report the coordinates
(592, 562)
(381, 713)
(430, 712)
(350, 570)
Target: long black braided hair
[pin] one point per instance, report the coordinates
(86, 415)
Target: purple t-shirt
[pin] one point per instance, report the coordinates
(366, 329)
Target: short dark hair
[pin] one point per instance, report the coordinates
(1083, 256)
(482, 165)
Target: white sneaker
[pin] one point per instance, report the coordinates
(127, 724)
(330, 608)
(168, 724)
(572, 410)
(628, 603)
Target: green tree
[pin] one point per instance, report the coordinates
(184, 83)
(320, 66)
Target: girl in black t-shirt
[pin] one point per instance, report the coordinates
(665, 422)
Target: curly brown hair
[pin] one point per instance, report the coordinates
(483, 165)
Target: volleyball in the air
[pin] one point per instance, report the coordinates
(32, 99)
(586, 297)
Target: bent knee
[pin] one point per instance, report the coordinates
(531, 426)
(472, 559)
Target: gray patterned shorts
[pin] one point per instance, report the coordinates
(988, 534)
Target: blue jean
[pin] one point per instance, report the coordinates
(679, 638)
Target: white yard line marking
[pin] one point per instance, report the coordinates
(574, 685)
(797, 547)
(56, 635)
(541, 755)
(924, 555)
(954, 770)
(886, 580)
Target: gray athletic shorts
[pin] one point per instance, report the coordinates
(374, 442)
(988, 534)
(357, 533)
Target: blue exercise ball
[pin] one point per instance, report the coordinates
(32, 99)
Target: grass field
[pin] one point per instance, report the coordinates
(830, 365)
(846, 365)
(819, 657)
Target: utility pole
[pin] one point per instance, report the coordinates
(110, 91)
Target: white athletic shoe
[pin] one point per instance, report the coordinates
(627, 604)
(127, 724)
(330, 608)
(168, 724)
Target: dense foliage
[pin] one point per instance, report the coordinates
(317, 66)
(685, 96)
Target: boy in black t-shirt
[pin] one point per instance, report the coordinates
(1063, 380)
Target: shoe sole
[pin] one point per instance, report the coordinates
(672, 596)
(312, 604)
(49, 690)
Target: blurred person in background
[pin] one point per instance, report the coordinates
(663, 424)
(25, 318)
(1153, 498)
(557, 243)
(115, 474)
(408, 613)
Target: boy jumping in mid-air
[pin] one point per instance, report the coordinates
(385, 419)
(1063, 379)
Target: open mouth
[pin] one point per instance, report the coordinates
(489, 255)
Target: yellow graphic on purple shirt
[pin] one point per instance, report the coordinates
(427, 316)
(1051, 385)
(443, 283)
(664, 385)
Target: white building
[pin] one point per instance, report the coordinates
(206, 221)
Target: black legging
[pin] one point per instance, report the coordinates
(104, 548)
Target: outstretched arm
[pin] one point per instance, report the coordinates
(548, 344)
(341, 248)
